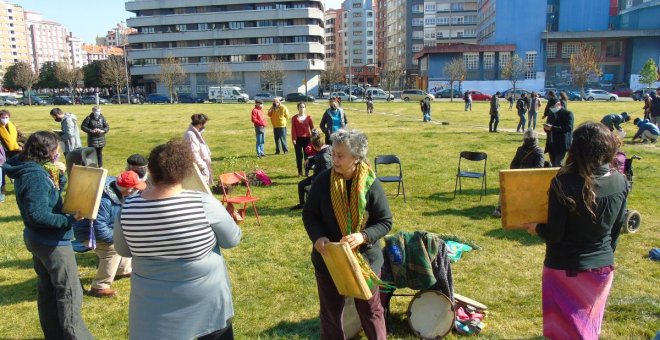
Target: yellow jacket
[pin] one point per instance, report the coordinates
(9, 136)
(278, 116)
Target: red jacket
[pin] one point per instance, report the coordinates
(258, 117)
(301, 129)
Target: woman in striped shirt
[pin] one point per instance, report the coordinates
(180, 287)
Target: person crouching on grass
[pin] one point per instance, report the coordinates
(322, 161)
(586, 210)
(111, 266)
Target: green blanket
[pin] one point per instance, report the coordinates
(418, 251)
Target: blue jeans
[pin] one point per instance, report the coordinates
(531, 116)
(259, 132)
(492, 124)
(468, 105)
(279, 133)
(521, 123)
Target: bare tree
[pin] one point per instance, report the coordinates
(25, 78)
(456, 72)
(333, 74)
(219, 72)
(273, 72)
(112, 73)
(514, 71)
(68, 75)
(584, 65)
(393, 74)
(171, 73)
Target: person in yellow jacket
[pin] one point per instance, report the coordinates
(279, 115)
(9, 136)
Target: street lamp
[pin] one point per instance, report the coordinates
(350, 68)
(124, 42)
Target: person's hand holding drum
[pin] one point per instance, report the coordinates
(354, 240)
(319, 245)
(530, 228)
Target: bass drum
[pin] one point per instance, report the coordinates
(431, 314)
(351, 319)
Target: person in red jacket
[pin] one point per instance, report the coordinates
(301, 132)
(259, 126)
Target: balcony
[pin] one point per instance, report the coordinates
(256, 15)
(227, 50)
(247, 66)
(251, 32)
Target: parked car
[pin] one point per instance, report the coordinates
(266, 97)
(123, 99)
(298, 97)
(446, 93)
(623, 92)
(62, 100)
(377, 93)
(344, 97)
(8, 100)
(34, 100)
(415, 94)
(544, 93)
(355, 90)
(637, 95)
(155, 98)
(599, 95)
(189, 99)
(519, 92)
(476, 96)
(91, 100)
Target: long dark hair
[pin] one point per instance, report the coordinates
(593, 145)
(39, 147)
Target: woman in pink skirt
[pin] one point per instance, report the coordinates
(586, 209)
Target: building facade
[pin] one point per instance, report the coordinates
(246, 35)
(13, 38)
(50, 41)
(93, 53)
(359, 41)
(333, 38)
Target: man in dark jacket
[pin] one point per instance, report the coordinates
(333, 120)
(322, 162)
(559, 128)
(494, 112)
(655, 108)
(111, 265)
(96, 127)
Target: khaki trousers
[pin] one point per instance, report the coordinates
(110, 264)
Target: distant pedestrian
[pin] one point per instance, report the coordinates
(647, 106)
(301, 132)
(334, 119)
(9, 142)
(95, 126)
(279, 116)
(559, 128)
(494, 112)
(522, 105)
(259, 126)
(425, 105)
(200, 150)
(70, 135)
(370, 103)
(534, 107)
(655, 107)
(511, 99)
(467, 97)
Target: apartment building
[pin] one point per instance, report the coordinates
(50, 41)
(333, 38)
(13, 39)
(93, 53)
(359, 40)
(246, 35)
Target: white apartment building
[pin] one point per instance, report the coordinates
(13, 41)
(245, 34)
(93, 53)
(75, 50)
(331, 27)
(359, 39)
(49, 41)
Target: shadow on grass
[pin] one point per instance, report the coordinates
(473, 213)
(449, 195)
(16, 264)
(18, 292)
(519, 235)
(304, 329)
(7, 219)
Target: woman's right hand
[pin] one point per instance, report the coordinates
(320, 243)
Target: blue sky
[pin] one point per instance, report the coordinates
(90, 18)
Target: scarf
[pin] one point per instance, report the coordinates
(9, 136)
(54, 173)
(351, 214)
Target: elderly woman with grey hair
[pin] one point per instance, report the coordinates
(528, 156)
(348, 204)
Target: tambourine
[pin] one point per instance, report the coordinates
(431, 314)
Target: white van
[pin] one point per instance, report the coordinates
(377, 93)
(227, 93)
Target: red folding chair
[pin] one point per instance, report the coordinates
(233, 178)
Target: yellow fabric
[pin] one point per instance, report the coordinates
(352, 216)
(9, 136)
(279, 116)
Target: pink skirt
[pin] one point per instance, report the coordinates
(573, 306)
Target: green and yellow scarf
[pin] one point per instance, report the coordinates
(351, 214)
(54, 173)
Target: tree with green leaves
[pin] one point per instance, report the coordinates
(514, 71)
(47, 77)
(8, 78)
(171, 74)
(456, 72)
(584, 65)
(92, 74)
(649, 73)
(25, 78)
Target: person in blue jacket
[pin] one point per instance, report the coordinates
(38, 181)
(111, 265)
(646, 131)
(613, 121)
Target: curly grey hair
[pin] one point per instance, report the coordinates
(530, 136)
(356, 141)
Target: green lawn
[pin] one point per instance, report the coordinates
(272, 277)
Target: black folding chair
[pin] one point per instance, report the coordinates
(473, 157)
(81, 156)
(391, 159)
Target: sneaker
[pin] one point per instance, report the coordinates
(296, 207)
(102, 292)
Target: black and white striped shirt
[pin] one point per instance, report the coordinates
(171, 228)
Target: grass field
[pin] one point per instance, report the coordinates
(272, 276)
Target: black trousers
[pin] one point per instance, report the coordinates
(492, 125)
(226, 333)
(301, 144)
(301, 189)
(557, 158)
(99, 156)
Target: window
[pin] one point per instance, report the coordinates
(530, 61)
(370, 24)
(203, 27)
(418, 22)
(183, 60)
(357, 51)
(181, 28)
(369, 33)
(357, 42)
(471, 61)
(150, 61)
(147, 30)
(417, 8)
(470, 32)
(418, 34)
(613, 48)
(357, 5)
(429, 7)
(357, 14)
(457, 6)
(429, 22)
(568, 49)
(265, 41)
(357, 61)
(504, 59)
(370, 42)
(357, 33)
(235, 25)
(370, 51)
(489, 60)
(552, 50)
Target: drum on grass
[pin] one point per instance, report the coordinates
(431, 314)
(351, 319)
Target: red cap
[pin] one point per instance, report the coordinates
(130, 179)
